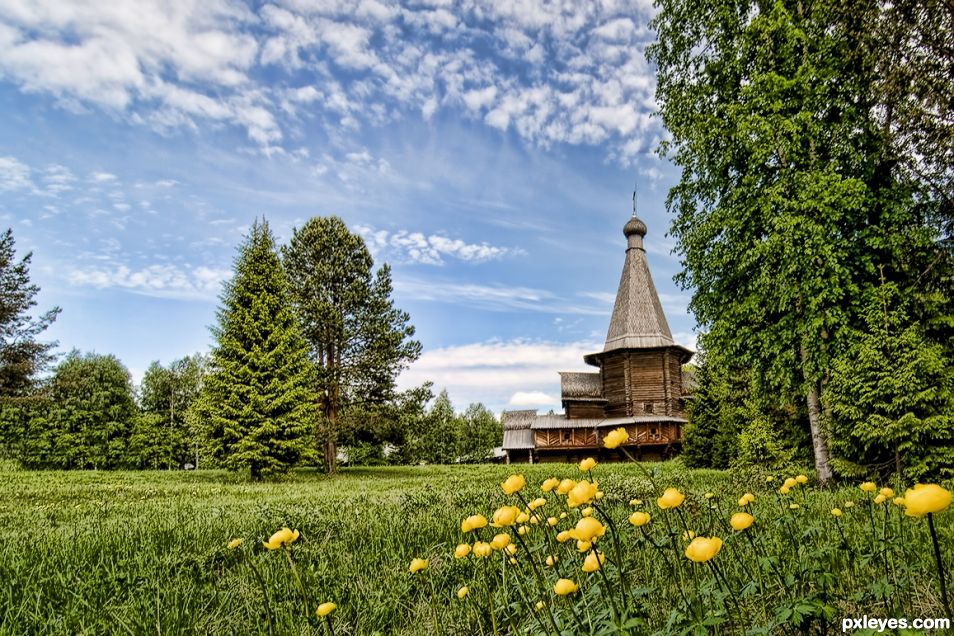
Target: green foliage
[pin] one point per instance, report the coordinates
(21, 356)
(789, 200)
(258, 402)
(358, 340)
(716, 414)
(892, 394)
(87, 418)
(479, 433)
(164, 436)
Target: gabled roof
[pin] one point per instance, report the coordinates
(517, 420)
(560, 421)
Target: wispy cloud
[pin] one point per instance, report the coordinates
(432, 249)
(14, 175)
(164, 281)
(552, 72)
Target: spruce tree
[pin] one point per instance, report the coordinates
(257, 403)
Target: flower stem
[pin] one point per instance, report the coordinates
(940, 565)
(261, 584)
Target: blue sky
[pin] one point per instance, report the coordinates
(487, 150)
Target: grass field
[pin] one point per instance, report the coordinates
(145, 553)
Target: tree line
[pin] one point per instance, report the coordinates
(308, 345)
(814, 219)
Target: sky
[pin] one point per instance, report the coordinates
(487, 150)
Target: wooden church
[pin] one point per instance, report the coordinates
(639, 385)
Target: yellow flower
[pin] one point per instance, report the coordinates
(461, 550)
(887, 492)
(793, 506)
(802, 479)
(539, 606)
(482, 549)
(551, 560)
(741, 520)
(500, 541)
(769, 479)
(849, 504)
(565, 486)
(523, 517)
(593, 561)
(671, 498)
(599, 495)
(583, 546)
(552, 521)
(505, 516)
(587, 512)
(702, 549)
(325, 608)
(417, 565)
(743, 502)
(868, 486)
(616, 437)
(534, 520)
(564, 536)
(880, 499)
(639, 518)
(512, 549)
(587, 464)
(688, 534)
(836, 512)
(790, 483)
(785, 490)
(537, 503)
(523, 530)
(472, 523)
(513, 561)
(582, 493)
(234, 543)
(926, 498)
(550, 484)
(564, 587)
(899, 501)
(562, 515)
(514, 483)
(749, 497)
(709, 495)
(280, 538)
(588, 528)
(463, 592)
(635, 502)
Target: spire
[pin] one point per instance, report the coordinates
(638, 320)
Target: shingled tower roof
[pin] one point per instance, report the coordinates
(638, 320)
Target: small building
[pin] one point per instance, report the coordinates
(639, 384)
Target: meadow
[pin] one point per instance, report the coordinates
(147, 553)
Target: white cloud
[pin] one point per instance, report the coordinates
(532, 398)
(428, 249)
(497, 371)
(166, 281)
(102, 177)
(553, 72)
(14, 175)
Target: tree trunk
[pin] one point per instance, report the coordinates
(331, 448)
(819, 443)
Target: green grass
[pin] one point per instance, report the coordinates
(144, 552)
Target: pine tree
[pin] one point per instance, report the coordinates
(258, 403)
(358, 340)
(892, 395)
(21, 356)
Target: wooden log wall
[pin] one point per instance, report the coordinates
(650, 434)
(642, 383)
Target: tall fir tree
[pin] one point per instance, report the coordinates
(258, 401)
(892, 396)
(358, 340)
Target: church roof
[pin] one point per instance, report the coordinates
(638, 321)
(580, 386)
